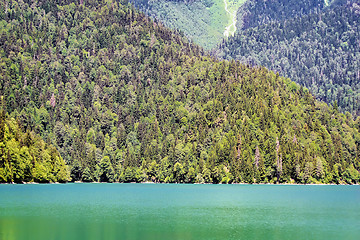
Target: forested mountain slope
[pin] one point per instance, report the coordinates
(125, 99)
(320, 51)
(206, 21)
(258, 12)
(25, 157)
(203, 21)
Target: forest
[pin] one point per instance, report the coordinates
(258, 12)
(320, 51)
(120, 98)
(25, 157)
(269, 34)
(201, 21)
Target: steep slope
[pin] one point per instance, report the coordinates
(205, 22)
(319, 51)
(125, 99)
(258, 12)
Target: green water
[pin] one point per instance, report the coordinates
(155, 211)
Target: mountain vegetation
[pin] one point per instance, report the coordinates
(125, 99)
(206, 21)
(202, 21)
(320, 51)
(254, 13)
(25, 157)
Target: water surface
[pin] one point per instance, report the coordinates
(159, 211)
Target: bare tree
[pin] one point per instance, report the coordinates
(257, 157)
(278, 160)
(52, 100)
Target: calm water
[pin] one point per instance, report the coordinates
(154, 211)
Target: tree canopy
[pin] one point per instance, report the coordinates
(25, 157)
(125, 99)
(320, 51)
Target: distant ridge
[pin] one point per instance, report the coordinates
(319, 51)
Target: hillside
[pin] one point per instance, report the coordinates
(258, 12)
(205, 22)
(319, 51)
(208, 22)
(125, 99)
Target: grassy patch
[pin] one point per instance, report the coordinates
(203, 21)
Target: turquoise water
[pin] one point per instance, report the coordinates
(159, 211)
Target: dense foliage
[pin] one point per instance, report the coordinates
(258, 12)
(124, 99)
(25, 157)
(320, 51)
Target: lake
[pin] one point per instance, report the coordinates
(171, 211)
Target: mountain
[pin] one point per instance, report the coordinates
(320, 51)
(205, 22)
(208, 22)
(125, 99)
(258, 12)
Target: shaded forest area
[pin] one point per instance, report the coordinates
(320, 51)
(255, 13)
(125, 99)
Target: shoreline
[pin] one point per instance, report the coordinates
(149, 182)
